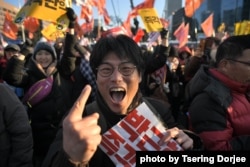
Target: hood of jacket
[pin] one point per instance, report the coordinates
(204, 82)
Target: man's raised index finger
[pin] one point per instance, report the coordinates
(76, 111)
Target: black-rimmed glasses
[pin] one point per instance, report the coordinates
(106, 69)
(238, 61)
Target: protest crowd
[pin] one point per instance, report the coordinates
(64, 103)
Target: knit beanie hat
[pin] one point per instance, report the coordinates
(12, 47)
(45, 46)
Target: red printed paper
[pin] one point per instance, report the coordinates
(140, 130)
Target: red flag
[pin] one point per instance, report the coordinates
(207, 26)
(164, 22)
(78, 29)
(100, 5)
(145, 4)
(127, 26)
(9, 27)
(88, 26)
(86, 12)
(31, 24)
(191, 6)
(139, 35)
(181, 34)
(106, 16)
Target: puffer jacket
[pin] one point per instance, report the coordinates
(219, 110)
(47, 114)
(16, 143)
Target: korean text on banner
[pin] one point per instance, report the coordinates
(150, 19)
(139, 130)
(43, 9)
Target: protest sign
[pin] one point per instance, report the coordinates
(150, 19)
(140, 130)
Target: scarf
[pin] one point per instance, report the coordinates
(111, 117)
(88, 74)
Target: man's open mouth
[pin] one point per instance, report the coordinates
(117, 94)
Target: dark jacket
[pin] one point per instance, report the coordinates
(16, 143)
(70, 66)
(56, 157)
(219, 110)
(153, 61)
(46, 115)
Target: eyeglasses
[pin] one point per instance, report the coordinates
(125, 68)
(242, 62)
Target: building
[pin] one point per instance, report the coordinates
(225, 11)
(171, 7)
(6, 7)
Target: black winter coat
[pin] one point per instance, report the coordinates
(46, 115)
(16, 143)
(56, 156)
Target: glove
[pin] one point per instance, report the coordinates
(164, 33)
(71, 16)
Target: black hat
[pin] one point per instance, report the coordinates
(12, 47)
(45, 46)
(173, 52)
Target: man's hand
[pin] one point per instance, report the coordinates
(81, 136)
(180, 137)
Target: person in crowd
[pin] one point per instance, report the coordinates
(118, 64)
(219, 97)
(155, 71)
(210, 44)
(213, 48)
(175, 81)
(9, 51)
(46, 115)
(16, 146)
(59, 47)
(80, 71)
(195, 61)
(27, 49)
(2, 64)
(184, 55)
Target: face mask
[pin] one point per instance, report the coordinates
(213, 54)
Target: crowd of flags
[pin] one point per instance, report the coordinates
(31, 20)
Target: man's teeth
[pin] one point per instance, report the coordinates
(117, 89)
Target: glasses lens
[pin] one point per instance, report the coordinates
(126, 68)
(105, 70)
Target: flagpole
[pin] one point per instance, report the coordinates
(136, 22)
(195, 28)
(22, 26)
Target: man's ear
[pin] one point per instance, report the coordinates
(224, 65)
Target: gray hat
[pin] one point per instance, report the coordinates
(45, 46)
(12, 47)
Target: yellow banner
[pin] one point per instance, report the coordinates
(43, 9)
(150, 19)
(237, 28)
(51, 32)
